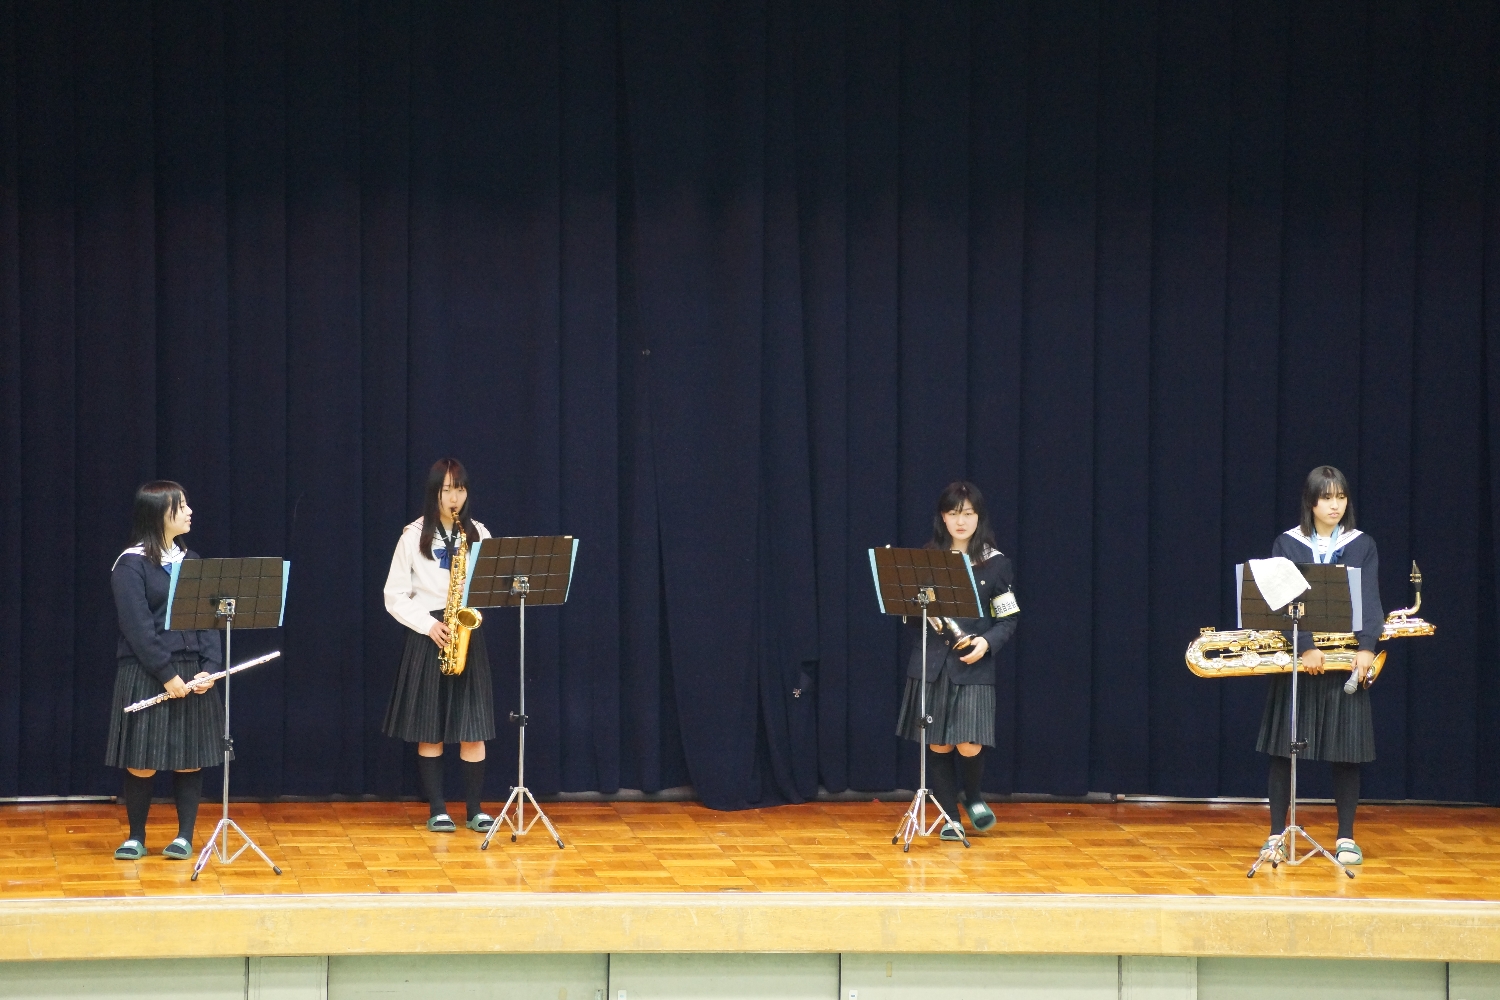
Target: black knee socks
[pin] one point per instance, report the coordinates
(137, 796)
(1279, 790)
(430, 780)
(187, 789)
(971, 769)
(1346, 796)
(941, 780)
(473, 785)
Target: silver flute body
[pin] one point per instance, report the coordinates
(203, 682)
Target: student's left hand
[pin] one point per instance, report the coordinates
(205, 688)
(977, 649)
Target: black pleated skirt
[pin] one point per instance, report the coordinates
(961, 713)
(1338, 727)
(179, 734)
(428, 707)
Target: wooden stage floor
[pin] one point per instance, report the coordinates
(1105, 879)
(1412, 852)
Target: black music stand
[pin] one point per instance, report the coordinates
(926, 583)
(220, 594)
(511, 573)
(1328, 605)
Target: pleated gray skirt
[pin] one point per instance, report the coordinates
(1338, 727)
(428, 707)
(179, 734)
(961, 713)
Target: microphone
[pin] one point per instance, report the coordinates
(1352, 684)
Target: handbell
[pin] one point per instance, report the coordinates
(954, 635)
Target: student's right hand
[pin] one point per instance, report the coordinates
(439, 633)
(1312, 661)
(176, 688)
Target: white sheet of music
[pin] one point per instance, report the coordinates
(1278, 579)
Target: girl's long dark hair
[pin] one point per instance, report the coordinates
(951, 499)
(436, 475)
(153, 502)
(1325, 481)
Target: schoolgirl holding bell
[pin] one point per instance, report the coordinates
(1336, 724)
(427, 707)
(961, 682)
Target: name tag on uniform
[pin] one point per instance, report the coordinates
(1004, 605)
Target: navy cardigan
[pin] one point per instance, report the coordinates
(993, 577)
(141, 606)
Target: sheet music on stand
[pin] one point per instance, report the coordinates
(1329, 604)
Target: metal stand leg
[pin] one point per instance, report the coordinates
(914, 822)
(520, 794)
(216, 848)
(1282, 848)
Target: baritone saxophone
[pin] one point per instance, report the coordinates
(1248, 652)
(461, 621)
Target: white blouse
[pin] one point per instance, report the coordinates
(418, 586)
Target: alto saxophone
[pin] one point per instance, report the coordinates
(461, 621)
(1247, 652)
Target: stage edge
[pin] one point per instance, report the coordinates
(784, 922)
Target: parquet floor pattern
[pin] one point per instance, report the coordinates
(64, 850)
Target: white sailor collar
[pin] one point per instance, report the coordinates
(1345, 538)
(167, 558)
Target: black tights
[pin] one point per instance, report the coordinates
(1345, 794)
(942, 779)
(946, 772)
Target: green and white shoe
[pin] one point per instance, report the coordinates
(980, 814)
(131, 850)
(441, 823)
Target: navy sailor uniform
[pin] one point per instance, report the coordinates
(1338, 727)
(181, 733)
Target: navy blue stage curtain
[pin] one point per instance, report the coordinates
(730, 290)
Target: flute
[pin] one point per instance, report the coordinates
(204, 681)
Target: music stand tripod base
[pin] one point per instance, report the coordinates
(1287, 838)
(516, 820)
(914, 824)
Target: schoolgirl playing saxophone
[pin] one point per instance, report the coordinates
(427, 707)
